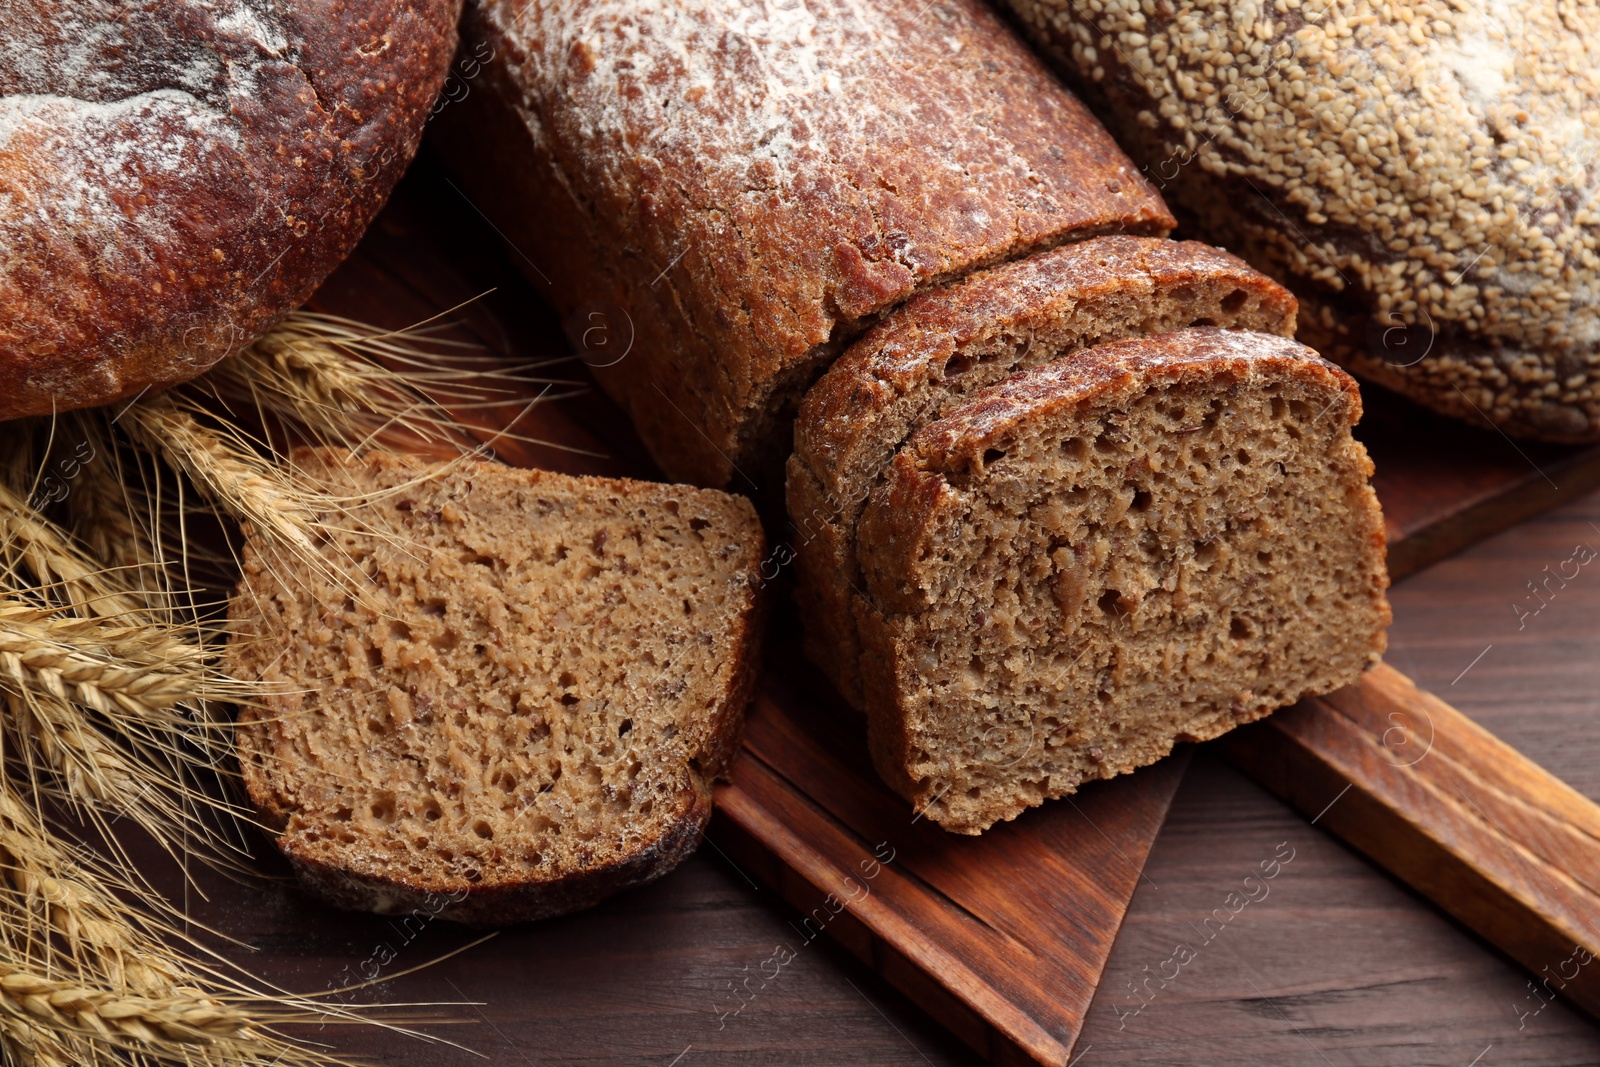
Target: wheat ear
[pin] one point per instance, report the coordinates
(235, 479)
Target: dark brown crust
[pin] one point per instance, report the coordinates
(502, 903)
(905, 510)
(738, 248)
(225, 196)
(850, 423)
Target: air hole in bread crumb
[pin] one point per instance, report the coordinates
(1241, 628)
(344, 814)
(1205, 552)
(622, 730)
(383, 809)
(957, 365)
(1204, 321)
(697, 525)
(1234, 301)
(569, 699)
(565, 680)
(483, 830)
(431, 811)
(993, 456)
(1243, 456)
(1111, 602)
(1264, 558)
(1141, 500)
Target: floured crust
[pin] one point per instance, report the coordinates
(947, 344)
(916, 513)
(405, 719)
(1423, 174)
(730, 191)
(176, 176)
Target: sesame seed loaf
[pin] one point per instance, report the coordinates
(1423, 175)
(946, 344)
(519, 704)
(1152, 541)
(728, 191)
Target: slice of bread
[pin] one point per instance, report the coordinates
(1150, 542)
(514, 701)
(945, 345)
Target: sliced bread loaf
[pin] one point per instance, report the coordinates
(947, 344)
(514, 701)
(1150, 542)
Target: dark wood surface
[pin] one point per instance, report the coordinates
(1481, 831)
(651, 975)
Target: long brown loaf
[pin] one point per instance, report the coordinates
(177, 175)
(1154, 538)
(736, 190)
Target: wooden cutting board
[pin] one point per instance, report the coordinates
(1002, 938)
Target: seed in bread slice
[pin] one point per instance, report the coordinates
(945, 345)
(1150, 542)
(514, 700)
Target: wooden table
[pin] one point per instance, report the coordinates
(1338, 965)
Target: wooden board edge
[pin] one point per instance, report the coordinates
(1395, 807)
(1542, 490)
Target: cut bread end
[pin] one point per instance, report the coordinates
(1151, 542)
(508, 693)
(948, 344)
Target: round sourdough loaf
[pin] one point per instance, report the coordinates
(176, 175)
(1423, 174)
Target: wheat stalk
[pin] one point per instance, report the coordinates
(238, 480)
(340, 382)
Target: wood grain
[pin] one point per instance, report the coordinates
(1001, 937)
(1444, 805)
(1445, 485)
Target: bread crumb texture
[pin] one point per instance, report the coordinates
(517, 694)
(1148, 542)
(945, 345)
(1426, 171)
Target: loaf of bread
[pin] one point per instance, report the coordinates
(1145, 542)
(176, 175)
(731, 191)
(946, 344)
(507, 693)
(1423, 176)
